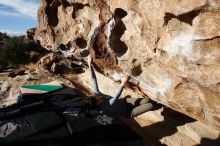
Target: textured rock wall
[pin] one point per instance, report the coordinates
(170, 48)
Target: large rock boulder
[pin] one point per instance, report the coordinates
(17, 72)
(170, 48)
(47, 60)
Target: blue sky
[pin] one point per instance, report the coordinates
(16, 16)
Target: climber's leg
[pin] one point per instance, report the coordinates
(94, 81)
(137, 101)
(141, 109)
(144, 100)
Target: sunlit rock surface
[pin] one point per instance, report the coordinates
(170, 48)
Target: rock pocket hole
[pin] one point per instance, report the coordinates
(62, 47)
(51, 11)
(77, 7)
(120, 13)
(81, 43)
(136, 71)
(69, 44)
(186, 17)
(85, 53)
(119, 47)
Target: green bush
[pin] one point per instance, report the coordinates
(16, 50)
(13, 51)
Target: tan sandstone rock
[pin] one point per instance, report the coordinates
(47, 60)
(170, 48)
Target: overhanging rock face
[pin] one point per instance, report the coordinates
(170, 48)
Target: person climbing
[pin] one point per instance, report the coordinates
(125, 107)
